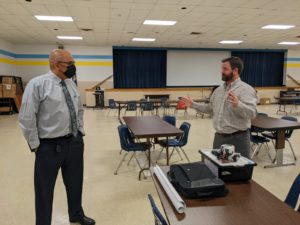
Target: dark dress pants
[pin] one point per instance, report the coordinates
(241, 141)
(52, 155)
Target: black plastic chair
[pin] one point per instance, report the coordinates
(178, 142)
(170, 119)
(131, 106)
(129, 145)
(288, 134)
(165, 106)
(293, 194)
(147, 107)
(158, 217)
(112, 106)
(258, 141)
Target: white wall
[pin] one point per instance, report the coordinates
(94, 64)
(6, 62)
(293, 66)
(84, 72)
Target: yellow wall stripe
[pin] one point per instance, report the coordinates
(7, 61)
(46, 63)
(32, 63)
(84, 63)
(292, 65)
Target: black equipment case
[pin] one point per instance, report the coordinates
(195, 180)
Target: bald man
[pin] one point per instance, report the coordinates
(51, 118)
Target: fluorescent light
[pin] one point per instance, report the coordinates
(288, 43)
(69, 37)
(159, 22)
(278, 27)
(55, 18)
(230, 42)
(143, 39)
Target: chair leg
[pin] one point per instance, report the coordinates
(120, 164)
(251, 146)
(172, 152)
(179, 153)
(139, 165)
(292, 149)
(159, 154)
(137, 161)
(187, 158)
(133, 155)
(255, 150)
(185, 113)
(268, 151)
(175, 148)
(273, 143)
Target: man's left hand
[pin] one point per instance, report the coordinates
(233, 99)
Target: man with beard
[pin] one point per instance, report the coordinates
(51, 118)
(232, 106)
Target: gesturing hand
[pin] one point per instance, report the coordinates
(233, 99)
(187, 100)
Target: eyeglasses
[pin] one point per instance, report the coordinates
(70, 63)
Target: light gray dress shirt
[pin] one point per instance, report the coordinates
(226, 118)
(44, 112)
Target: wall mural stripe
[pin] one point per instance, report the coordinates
(106, 60)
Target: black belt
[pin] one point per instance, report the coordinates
(67, 136)
(231, 134)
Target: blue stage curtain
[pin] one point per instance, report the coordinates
(139, 68)
(262, 69)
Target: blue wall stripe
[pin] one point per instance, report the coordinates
(292, 59)
(46, 56)
(92, 56)
(32, 56)
(10, 54)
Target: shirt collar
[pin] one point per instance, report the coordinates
(233, 84)
(55, 77)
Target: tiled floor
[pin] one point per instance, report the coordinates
(110, 199)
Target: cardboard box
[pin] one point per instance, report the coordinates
(9, 90)
(5, 109)
(265, 101)
(1, 91)
(8, 80)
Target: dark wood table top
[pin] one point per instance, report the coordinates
(272, 124)
(137, 101)
(158, 101)
(246, 203)
(150, 127)
(288, 98)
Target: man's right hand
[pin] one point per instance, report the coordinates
(188, 101)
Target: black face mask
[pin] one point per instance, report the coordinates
(71, 71)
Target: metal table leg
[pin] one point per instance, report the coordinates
(280, 144)
(149, 159)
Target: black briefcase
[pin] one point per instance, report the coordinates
(195, 180)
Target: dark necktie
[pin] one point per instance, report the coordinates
(73, 122)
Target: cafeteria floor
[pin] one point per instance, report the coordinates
(112, 199)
